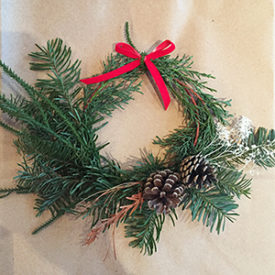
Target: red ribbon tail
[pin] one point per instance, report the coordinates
(159, 82)
(166, 102)
(112, 74)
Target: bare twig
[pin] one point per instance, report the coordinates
(115, 218)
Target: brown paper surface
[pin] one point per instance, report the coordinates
(229, 39)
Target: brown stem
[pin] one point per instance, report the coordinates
(115, 218)
(91, 96)
(191, 92)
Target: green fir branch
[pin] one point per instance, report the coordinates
(48, 223)
(212, 206)
(4, 192)
(9, 128)
(145, 228)
(56, 58)
(233, 182)
(261, 147)
(127, 35)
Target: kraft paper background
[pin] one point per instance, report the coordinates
(230, 39)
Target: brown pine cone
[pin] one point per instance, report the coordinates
(163, 190)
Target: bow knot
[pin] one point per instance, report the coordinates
(142, 61)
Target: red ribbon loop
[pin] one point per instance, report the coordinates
(127, 50)
(163, 49)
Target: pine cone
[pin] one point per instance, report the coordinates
(196, 172)
(163, 190)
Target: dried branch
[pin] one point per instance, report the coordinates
(84, 203)
(114, 219)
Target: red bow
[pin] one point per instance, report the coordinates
(163, 49)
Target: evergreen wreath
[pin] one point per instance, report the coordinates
(57, 127)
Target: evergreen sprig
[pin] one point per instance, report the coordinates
(56, 59)
(233, 182)
(212, 206)
(260, 147)
(145, 228)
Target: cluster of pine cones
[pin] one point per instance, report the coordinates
(164, 190)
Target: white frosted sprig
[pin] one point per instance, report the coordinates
(248, 154)
(223, 133)
(241, 128)
(237, 131)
